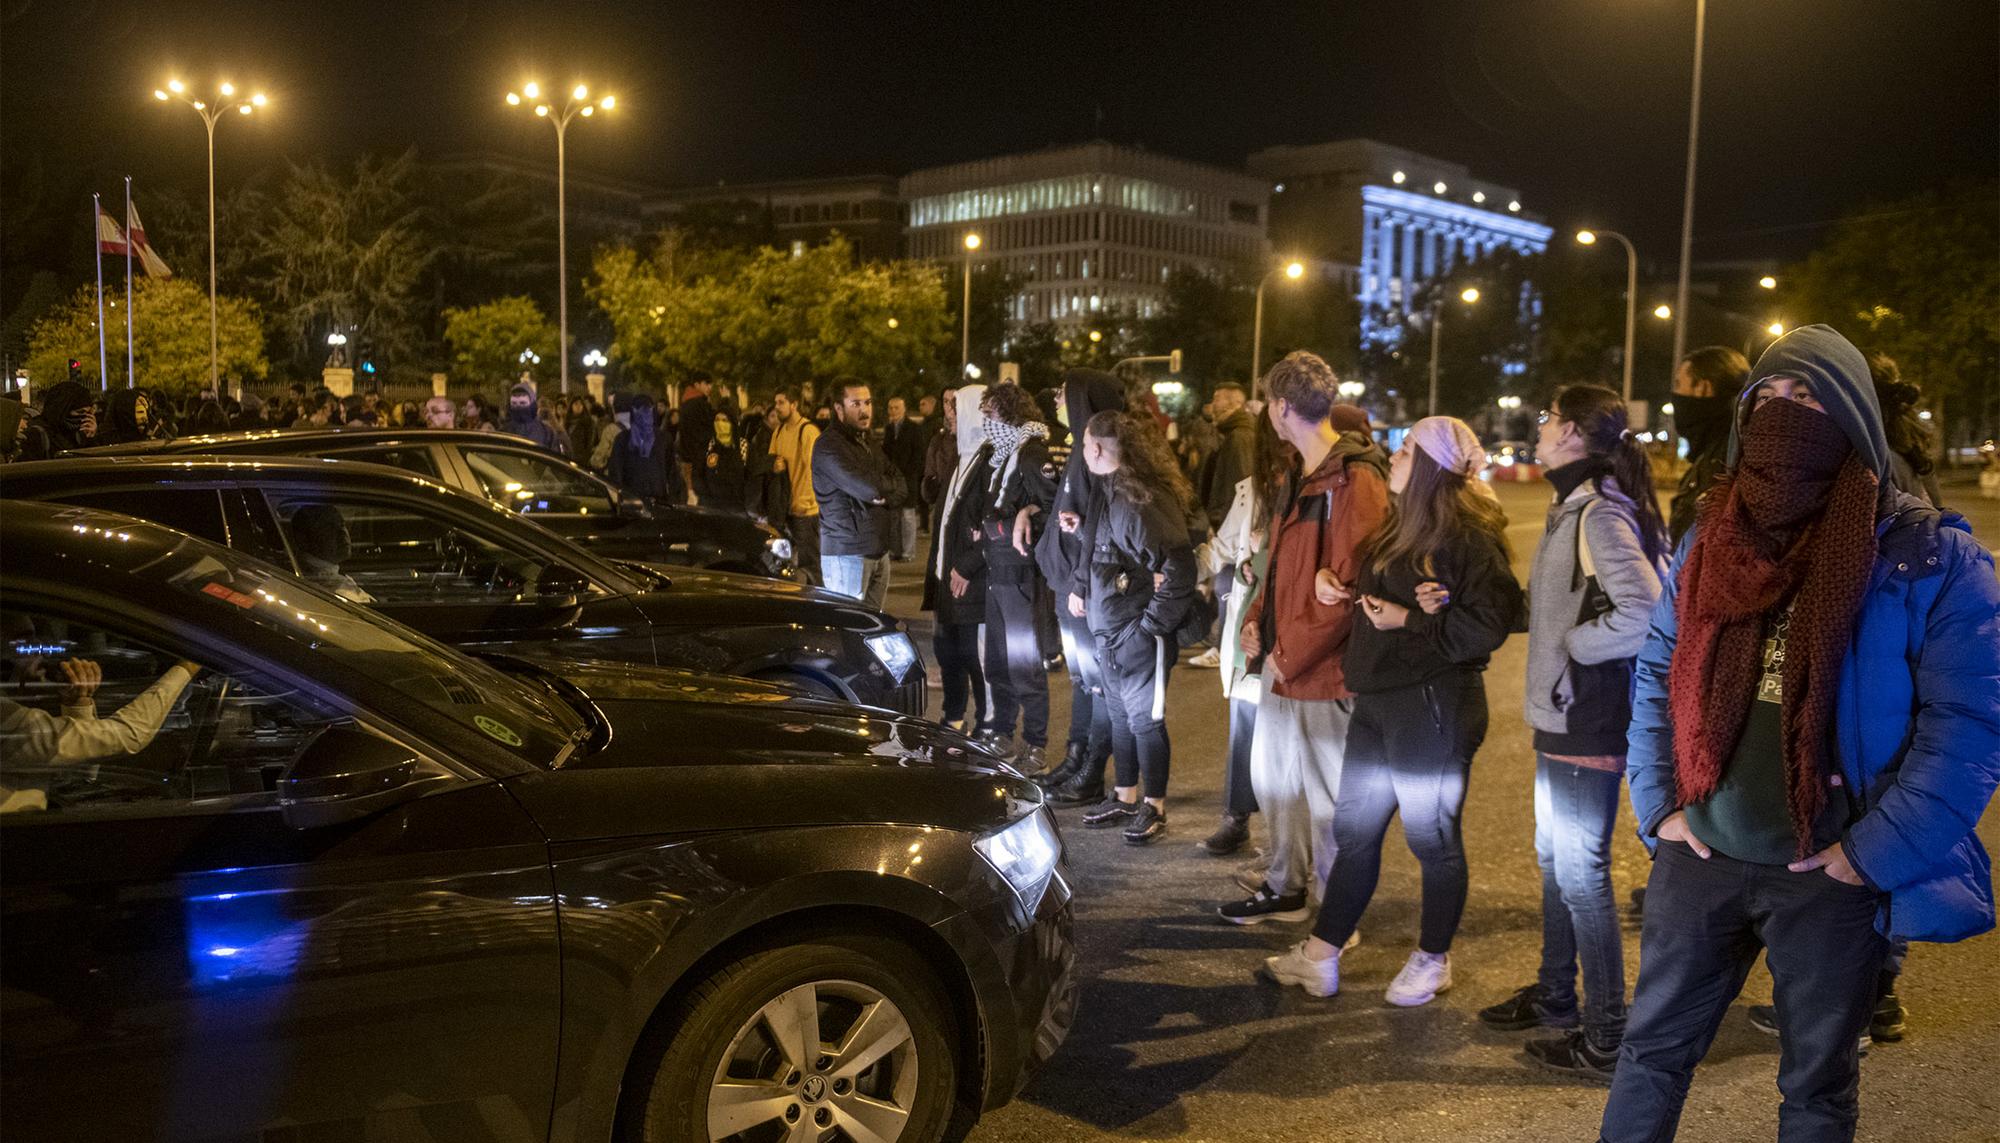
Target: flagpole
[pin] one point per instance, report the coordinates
(97, 228)
(131, 379)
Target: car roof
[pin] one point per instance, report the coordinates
(42, 540)
(304, 440)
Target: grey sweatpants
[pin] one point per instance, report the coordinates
(1295, 763)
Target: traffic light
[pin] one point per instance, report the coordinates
(365, 360)
(75, 370)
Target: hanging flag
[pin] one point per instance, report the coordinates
(155, 266)
(110, 239)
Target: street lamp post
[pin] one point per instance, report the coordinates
(210, 113)
(579, 103)
(1687, 197)
(1469, 295)
(1590, 237)
(965, 309)
(1293, 270)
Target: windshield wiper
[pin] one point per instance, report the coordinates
(594, 734)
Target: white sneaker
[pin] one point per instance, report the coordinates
(1353, 941)
(1209, 658)
(1420, 981)
(1318, 977)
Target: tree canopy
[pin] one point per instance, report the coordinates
(487, 340)
(169, 338)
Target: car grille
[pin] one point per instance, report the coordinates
(913, 697)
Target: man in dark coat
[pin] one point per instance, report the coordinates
(904, 442)
(697, 426)
(524, 419)
(858, 491)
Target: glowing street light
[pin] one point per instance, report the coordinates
(1349, 390)
(1469, 294)
(1293, 270)
(893, 323)
(209, 115)
(1663, 311)
(965, 310)
(1508, 403)
(1768, 282)
(595, 359)
(579, 104)
(1775, 329)
(1589, 238)
(1096, 335)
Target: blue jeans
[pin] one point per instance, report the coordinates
(1576, 812)
(863, 577)
(1705, 921)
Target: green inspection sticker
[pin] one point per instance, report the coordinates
(496, 729)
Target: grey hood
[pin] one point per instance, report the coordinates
(1838, 374)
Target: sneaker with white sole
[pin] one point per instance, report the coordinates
(1210, 659)
(1265, 905)
(1319, 978)
(1422, 978)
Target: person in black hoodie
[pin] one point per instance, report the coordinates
(524, 419)
(1140, 579)
(641, 462)
(1420, 701)
(68, 420)
(1016, 486)
(1705, 387)
(131, 418)
(1079, 778)
(959, 601)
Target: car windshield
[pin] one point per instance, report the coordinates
(401, 672)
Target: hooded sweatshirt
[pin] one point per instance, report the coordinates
(1086, 393)
(123, 419)
(526, 421)
(50, 434)
(955, 530)
(1338, 504)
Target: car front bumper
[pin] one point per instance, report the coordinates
(1027, 990)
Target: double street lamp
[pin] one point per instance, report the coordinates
(1293, 271)
(211, 111)
(578, 103)
(1468, 295)
(1589, 238)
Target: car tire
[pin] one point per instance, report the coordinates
(725, 1036)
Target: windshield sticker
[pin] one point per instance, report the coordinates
(228, 594)
(496, 730)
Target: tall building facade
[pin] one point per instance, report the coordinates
(1090, 227)
(863, 209)
(1403, 218)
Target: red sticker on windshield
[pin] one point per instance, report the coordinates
(229, 595)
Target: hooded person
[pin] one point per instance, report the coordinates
(959, 602)
(524, 419)
(1079, 778)
(130, 418)
(639, 460)
(68, 420)
(1815, 734)
(440, 413)
(1706, 385)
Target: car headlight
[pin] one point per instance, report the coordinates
(780, 549)
(1024, 854)
(895, 651)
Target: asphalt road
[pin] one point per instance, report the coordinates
(1177, 1039)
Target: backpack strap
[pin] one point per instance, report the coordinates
(1586, 568)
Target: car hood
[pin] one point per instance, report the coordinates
(729, 597)
(690, 752)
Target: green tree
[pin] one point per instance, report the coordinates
(169, 338)
(1919, 280)
(487, 340)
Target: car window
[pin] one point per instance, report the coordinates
(409, 458)
(381, 551)
(532, 485)
(94, 721)
(196, 511)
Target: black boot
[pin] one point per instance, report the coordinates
(1229, 836)
(1082, 789)
(1063, 771)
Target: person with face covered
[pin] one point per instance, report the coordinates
(718, 474)
(1705, 386)
(68, 421)
(639, 463)
(1015, 487)
(1815, 735)
(959, 601)
(130, 418)
(524, 419)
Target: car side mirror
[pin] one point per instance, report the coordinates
(346, 774)
(634, 507)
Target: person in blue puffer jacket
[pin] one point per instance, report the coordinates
(1815, 735)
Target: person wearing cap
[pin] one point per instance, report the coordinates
(1299, 639)
(1419, 701)
(1815, 734)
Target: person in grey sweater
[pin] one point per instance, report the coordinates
(1595, 579)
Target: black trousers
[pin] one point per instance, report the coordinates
(1409, 751)
(805, 546)
(963, 676)
(1705, 921)
(1136, 667)
(1014, 661)
(1089, 714)
(1237, 797)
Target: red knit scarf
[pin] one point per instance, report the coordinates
(1796, 520)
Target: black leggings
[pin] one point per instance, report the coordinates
(1135, 679)
(1014, 662)
(1408, 750)
(1089, 714)
(957, 647)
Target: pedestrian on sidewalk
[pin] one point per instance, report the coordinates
(904, 440)
(1595, 579)
(957, 600)
(859, 492)
(1419, 701)
(792, 445)
(1815, 734)
(1141, 573)
(1299, 633)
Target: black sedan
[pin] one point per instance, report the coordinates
(563, 497)
(461, 569)
(274, 867)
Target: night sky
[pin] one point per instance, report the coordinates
(1811, 108)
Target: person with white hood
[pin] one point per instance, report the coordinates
(959, 602)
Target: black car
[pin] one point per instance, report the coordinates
(348, 883)
(562, 496)
(461, 569)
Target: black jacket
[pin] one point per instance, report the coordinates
(1000, 496)
(1486, 605)
(904, 445)
(1086, 393)
(1235, 458)
(697, 428)
(50, 433)
(1704, 423)
(1130, 544)
(951, 539)
(850, 474)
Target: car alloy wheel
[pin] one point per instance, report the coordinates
(825, 1055)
